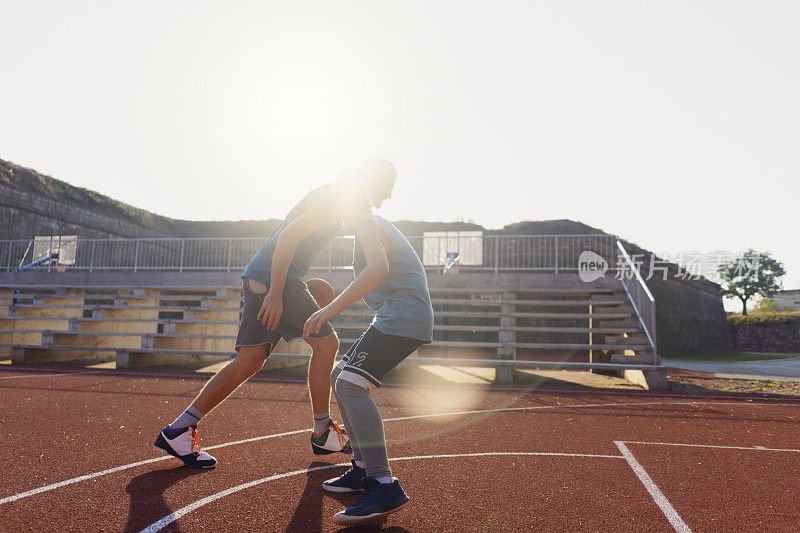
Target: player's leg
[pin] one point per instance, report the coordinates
(353, 479)
(298, 304)
(180, 438)
(361, 373)
(247, 362)
(319, 372)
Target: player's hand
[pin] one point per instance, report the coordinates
(271, 310)
(315, 321)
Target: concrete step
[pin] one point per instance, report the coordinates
(551, 291)
(532, 303)
(80, 288)
(37, 323)
(55, 312)
(628, 322)
(644, 356)
(89, 340)
(628, 339)
(141, 326)
(33, 354)
(12, 337)
(91, 306)
(495, 328)
(195, 343)
(610, 315)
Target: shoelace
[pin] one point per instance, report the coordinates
(195, 442)
(341, 434)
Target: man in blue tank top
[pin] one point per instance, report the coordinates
(276, 305)
(389, 276)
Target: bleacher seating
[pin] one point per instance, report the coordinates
(154, 326)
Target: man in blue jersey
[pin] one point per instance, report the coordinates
(276, 305)
(389, 276)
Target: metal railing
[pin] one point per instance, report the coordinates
(640, 297)
(498, 253)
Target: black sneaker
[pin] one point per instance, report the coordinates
(332, 440)
(377, 500)
(350, 481)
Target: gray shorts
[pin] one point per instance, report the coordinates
(298, 305)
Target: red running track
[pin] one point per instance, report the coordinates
(77, 455)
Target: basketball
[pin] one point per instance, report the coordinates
(321, 290)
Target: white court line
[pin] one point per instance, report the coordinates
(756, 448)
(658, 496)
(86, 477)
(183, 511)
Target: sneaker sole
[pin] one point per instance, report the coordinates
(345, 520)
(161, 445)
(333, 488)
(319, 450)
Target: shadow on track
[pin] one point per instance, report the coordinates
(308, 515)
(147, 495)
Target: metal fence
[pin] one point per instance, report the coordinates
(639, 295)
(499, 253)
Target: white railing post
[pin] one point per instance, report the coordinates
(640, 297)
(556, 247)
(496, 254)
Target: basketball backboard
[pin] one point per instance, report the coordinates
(466, 245)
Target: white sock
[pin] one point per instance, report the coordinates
(320, 422)
(385, 479)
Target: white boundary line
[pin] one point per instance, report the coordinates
(754, 448)
(658, 496)
(183, 511)
(86, 477)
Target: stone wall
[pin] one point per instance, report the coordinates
(770, 337)
(689, 316)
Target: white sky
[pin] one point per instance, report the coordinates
(673, 124)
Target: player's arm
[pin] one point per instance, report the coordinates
(376, 271)
(321, 213)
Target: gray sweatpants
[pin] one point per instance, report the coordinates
(364, 427)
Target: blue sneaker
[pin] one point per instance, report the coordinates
(184, 444)
(350, 481)
(377, 500)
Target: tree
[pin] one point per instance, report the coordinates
(750, 274)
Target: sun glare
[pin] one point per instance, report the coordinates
(300, 109)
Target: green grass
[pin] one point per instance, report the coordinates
(763, 318)
(732, 357)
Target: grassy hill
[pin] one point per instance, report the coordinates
(33, 182)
